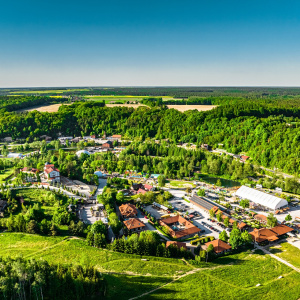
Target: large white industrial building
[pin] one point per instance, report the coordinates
(263, 199)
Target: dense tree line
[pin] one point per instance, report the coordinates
(32, 279)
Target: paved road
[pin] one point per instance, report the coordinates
(102, 184)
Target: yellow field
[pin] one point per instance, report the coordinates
(46, 108)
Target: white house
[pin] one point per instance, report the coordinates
(51, 173)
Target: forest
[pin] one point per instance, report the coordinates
(37, 279)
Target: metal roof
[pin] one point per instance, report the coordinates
(261, 198)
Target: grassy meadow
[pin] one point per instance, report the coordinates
(231, 277)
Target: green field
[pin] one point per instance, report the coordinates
(5, 173)
(124, 99)
(287, 252)
(181, 184)
(231, 277)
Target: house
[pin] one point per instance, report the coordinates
(107, 145)
(176, 244)
(281, 230)
(263, 235)
(45, 137)
(51, 173)
(134, 225)
(93, 136)
(179, 227)
(261, 218)
(137, 186)
(141, 191)
(128, 210)
(244, 158)
(148, 187)
(3, 205)
(205, 146)
(220, 247)
(116, 136)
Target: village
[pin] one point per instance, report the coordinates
(192, 216)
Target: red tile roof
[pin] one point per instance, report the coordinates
(148, 186)
(141, 191)
(281, 229)
(178, 244)
(128, 210)
(263, 234)
(133, 223)
(219, 246)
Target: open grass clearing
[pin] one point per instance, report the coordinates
(287, 252)
(180, 184)
(5, 173)
(236, 280)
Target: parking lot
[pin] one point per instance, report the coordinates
(201, 219)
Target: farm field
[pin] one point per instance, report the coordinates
(231, 277)
(47, 91)
(126, 105)
(45, 108)
(183, 108)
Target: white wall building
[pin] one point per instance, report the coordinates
(260, 198)
(51, 173)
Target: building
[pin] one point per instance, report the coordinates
(220, 247)
(244, 158)
(107, 145)
(78, 153)
(179, 227)
(134, 225)
(206, 204)
(261, 199)
(159, 206)
(117, 136)
(51, 173)
(206, 147)
(148, 187)
(3, 205)
(261, 218)
(270, 235)
(177, 244)
(141, 191)
(128, 210)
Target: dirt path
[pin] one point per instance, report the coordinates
(279, 259)
(179, 277)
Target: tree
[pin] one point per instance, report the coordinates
(212, 213)
(218, 183)
(223, 236)
(120, 196)
(288, 218)
(235, 239)
(219, 216)
(244, 203)
(161, 180)
(226, 222)
(271, 220)
(98, 227)
(201, 192)
(32, 227)
(246, 237)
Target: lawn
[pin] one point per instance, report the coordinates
(5, 173)
(287, 252)
(181, 184)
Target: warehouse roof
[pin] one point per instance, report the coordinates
(261, 198)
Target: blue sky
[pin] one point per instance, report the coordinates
(149, 43)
